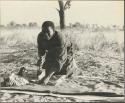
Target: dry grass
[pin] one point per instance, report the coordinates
(95, 47)
(16, 37)
(113, 40)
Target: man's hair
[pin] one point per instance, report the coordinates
(47, 24)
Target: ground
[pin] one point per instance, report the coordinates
(99, 71)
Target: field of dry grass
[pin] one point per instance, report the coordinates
(83, 39)
(99, 55)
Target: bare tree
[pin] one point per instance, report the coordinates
(63, 6)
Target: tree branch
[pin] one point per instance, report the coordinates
(67, 4)
(57, 9)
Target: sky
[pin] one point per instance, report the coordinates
(92, 12)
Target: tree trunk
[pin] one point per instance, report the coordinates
(62, 19)
(61, 14)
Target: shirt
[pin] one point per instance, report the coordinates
(55, 50)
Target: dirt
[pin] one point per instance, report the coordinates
(99, 71)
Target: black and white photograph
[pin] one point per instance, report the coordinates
(62, 51)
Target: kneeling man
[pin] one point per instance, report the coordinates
(57, 50)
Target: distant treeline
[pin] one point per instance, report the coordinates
(96, 27)
(92, 27)
(13, 24)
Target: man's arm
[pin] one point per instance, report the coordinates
(41, 51)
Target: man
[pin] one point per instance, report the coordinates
(57, 50)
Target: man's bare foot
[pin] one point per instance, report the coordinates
(44, 81)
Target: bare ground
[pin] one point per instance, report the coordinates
(99, 72)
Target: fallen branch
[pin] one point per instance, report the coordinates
(56, 91)
(82, 97)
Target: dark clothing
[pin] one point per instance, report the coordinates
(59, 52)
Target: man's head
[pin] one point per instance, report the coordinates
(48, 29)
